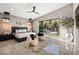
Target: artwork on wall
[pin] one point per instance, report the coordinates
(19, 23)
(5, 19)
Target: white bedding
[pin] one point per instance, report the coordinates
(22, 35)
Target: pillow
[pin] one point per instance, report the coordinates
(21, 30)
(24, 30)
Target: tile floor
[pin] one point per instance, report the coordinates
(11, 47)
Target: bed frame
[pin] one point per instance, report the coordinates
(14, 31)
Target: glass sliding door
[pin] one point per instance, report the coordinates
(49, 26)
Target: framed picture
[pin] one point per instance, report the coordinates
(4, 19)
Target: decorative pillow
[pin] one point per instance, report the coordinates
(24, 30)
(21, 30)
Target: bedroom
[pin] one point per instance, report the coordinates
(19, 20)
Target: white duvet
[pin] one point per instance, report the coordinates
(22, 35)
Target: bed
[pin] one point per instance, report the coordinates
(21, 33)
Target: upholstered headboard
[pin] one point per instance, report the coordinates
(18, 28)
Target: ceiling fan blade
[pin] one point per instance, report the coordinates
(29, 11)
(36, 12)
(34, 7)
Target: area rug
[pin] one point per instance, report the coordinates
(53, 49)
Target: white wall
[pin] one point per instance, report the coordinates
(14, 19)
(76, 31)
(65, 11)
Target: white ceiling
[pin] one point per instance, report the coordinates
(20, 9)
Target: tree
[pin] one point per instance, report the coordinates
(41, 26)
(56, 26)
(50, 22)
(68, 22)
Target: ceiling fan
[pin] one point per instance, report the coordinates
(33, 11)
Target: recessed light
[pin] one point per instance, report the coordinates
(11, 9)
(55, 5)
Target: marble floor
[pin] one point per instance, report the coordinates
(8, 42)
(21, 49)
(11, 47)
